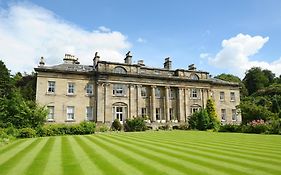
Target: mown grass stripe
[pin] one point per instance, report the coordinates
(13, 161)
(11, 145)
(198, 157)
(82, 157)
(166, 160)
(233, 163)
(69, 161)
(270, 158)
(97, 158)
(13, 151)
(39, 163)
(22, 165)
(141, 163)
(54, 164)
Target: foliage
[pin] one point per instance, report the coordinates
(165, 127)
(183, 126)
(26, 133)
(102, 128)
(116, 125)
(199, 120)
(26, 85)
(230, 128)
(135, 124)
(211, 110)
(6, 83)
(256, 79)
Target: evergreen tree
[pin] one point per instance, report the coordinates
(211, 110)
(6, 83)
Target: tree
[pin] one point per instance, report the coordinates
(255, 79)
(199, 120)
(275, 108)
(211, 110)
(6, 83)
(270, 76)
(233, 78)
(27, 85)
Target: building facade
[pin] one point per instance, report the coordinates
(106, 91)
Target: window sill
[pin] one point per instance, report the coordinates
(232, 100)
(119, 95)
(50, 93)
(51, 120)
(70, 120)
(89, 95)
(71, 95)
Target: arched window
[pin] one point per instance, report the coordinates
(119, 70)
(194, 108)
(194, 77)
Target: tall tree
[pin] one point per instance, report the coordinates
(270, 76)
(211, 110)
(255, 79)
(6, 83)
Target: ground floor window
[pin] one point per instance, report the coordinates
(234, 115)
(223, 114)
(158, 114)
(171, 114)
(89, 113)
(143, 112)
(70, 113)
(119, 111)
(51, 114)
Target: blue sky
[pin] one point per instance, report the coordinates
(188, 31)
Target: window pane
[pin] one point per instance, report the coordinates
(51, 86)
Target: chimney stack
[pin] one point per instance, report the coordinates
(192, 67)
(141, 63)
(96, 59)
(128, 59)
(42, 62)
(168, 63)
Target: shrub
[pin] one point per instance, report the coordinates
(88, 127)
(135, 124)
(199, 120)
(230, 128)
(183, 126)
(27, 133)
(165, 127)
(116, 125)
(102, 128)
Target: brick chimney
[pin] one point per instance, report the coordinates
(96, 59)
(168, 63)
(128, 59)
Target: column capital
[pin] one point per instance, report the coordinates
(167, 87)
(153, 86)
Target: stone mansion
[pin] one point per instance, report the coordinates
(105, 91)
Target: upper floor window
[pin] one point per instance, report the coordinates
(51, 86)
(157, 92)
(232, 96)
(70, 88)
(221, 96)
(119, 90)
(194, 77)
(194, 93)
(70, 113)
(51, 113)
(89, 89)
(172, 93)
(143, 92)
(120, 70)
(223, 114)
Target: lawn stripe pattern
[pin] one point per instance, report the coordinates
(166, 152)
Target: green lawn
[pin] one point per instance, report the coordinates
(165, 152)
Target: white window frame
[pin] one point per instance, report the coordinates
(51, 113)
(70, 88)
(222, 96)
(158, 113)
(51, 87)
(70, 113)
(143, 112)
(143, 91)
(120, 115)
(157, 92)
(234, 115)
(232, 96)
(119, 90)
(223, 114)
(194, 93)
(89, 113)
(89, 89)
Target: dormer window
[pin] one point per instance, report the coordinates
(194, 77)
(119, 70)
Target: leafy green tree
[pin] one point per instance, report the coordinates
(27, 85)
(270, 76)
(6, 83)
(233, 78)
(199, 120)
(255, 79)
(211, 110)
(275, 108)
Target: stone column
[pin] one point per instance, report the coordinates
(167, 103)
(138, 99)
(180, 103)
(131, 101)
(152, 104)
(107, 103)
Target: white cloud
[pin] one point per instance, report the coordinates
(141, 40)
(204, 55)
(236, 53)
(28, 31)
